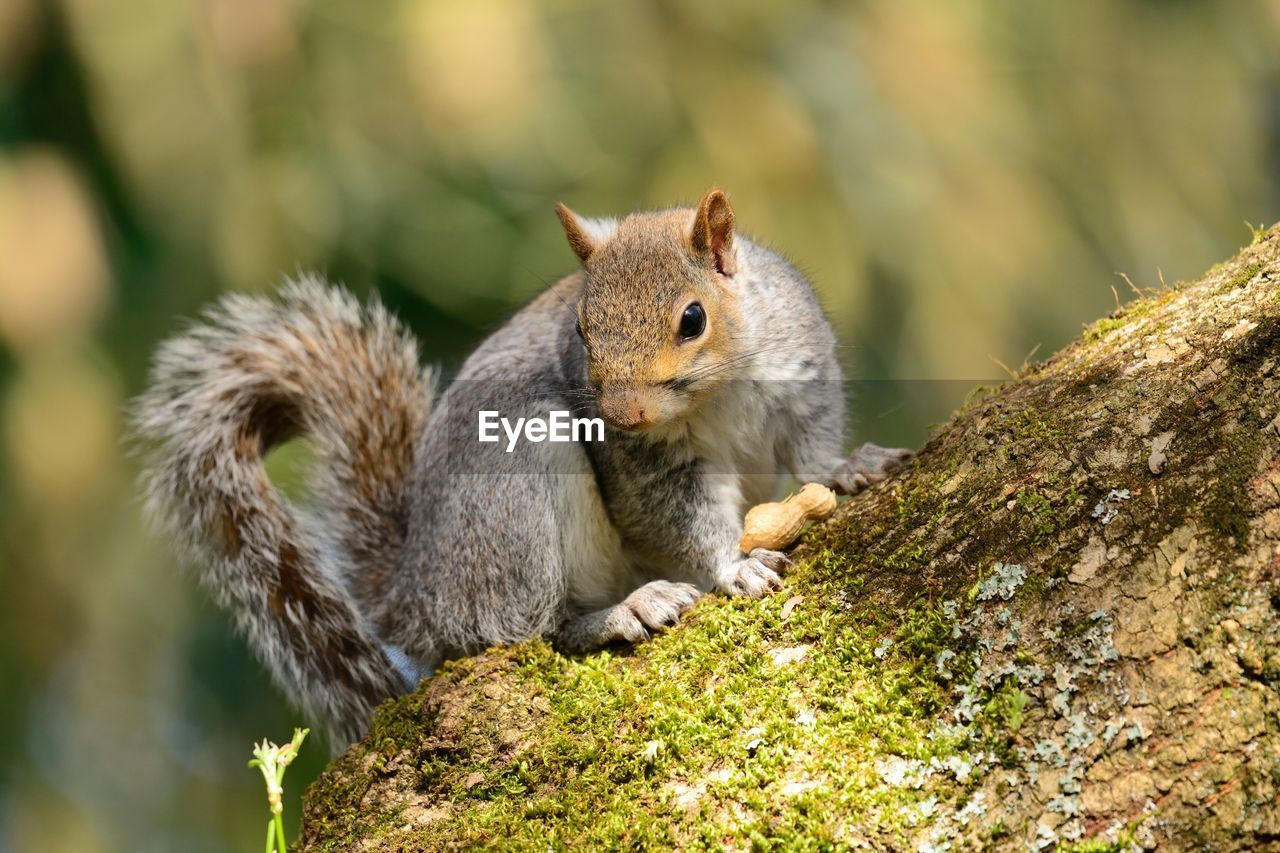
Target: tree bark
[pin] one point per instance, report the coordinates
(1058, 628)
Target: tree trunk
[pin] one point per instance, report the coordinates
(1058, 628)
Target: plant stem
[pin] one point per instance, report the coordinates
(280, 845)
(271, 830)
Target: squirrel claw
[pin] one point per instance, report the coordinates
(649, 609)
(753, 577)
(660, 604)
(869, 464)
(775, 560)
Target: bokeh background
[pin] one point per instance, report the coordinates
(962, 180)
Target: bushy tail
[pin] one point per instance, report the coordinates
(254, 374)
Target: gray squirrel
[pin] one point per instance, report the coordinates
(706, 356)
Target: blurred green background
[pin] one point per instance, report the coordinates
(962, 180)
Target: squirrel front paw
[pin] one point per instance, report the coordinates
(754, 576)
(652, 607)
(869, 464)
(657, 605)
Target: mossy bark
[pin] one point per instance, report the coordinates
(1058, 628)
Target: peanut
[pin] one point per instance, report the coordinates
(775, 526)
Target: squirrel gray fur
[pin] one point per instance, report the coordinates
(421, 543)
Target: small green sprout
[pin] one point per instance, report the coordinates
(273, 761)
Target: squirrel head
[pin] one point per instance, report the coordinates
(658, 313)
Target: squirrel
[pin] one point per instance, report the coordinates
(706, 355)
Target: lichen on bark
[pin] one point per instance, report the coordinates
(1058, 628)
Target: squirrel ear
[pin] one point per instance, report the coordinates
(713, 230)
(585, 235)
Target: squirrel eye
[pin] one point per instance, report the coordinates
(693, 321)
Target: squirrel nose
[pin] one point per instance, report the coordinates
(625, 408)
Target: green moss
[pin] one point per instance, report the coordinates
(1225, 508)
(1130, 312)
(1103, 327)
(1038, 517)
(1098, 846)
(1120, 841)
(1004, 710)
(1241, 277)
(708, 710)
